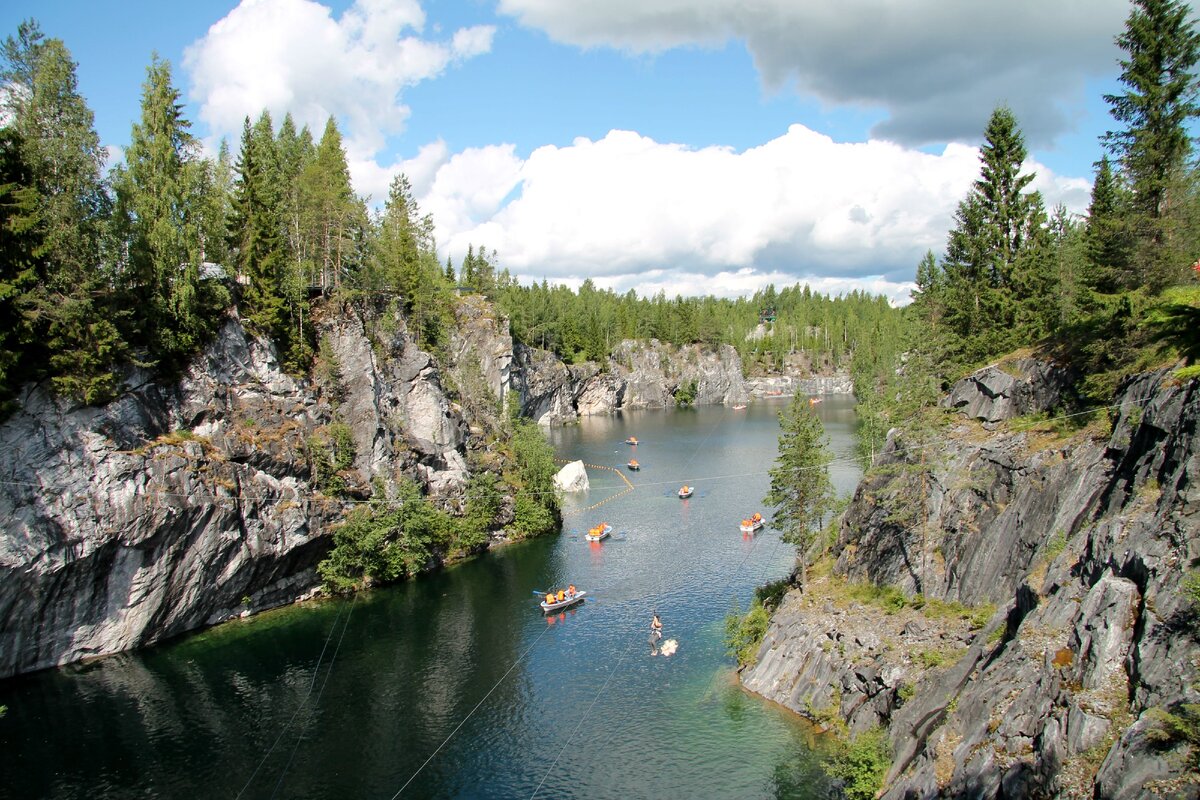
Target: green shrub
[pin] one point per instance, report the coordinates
(386, 541)
(1190, 586)
(483, 504)
(769, 595)
(862, 764)
(685, 395)
(330, 453)
(531, 517)
(744, 634)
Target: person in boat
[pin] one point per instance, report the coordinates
(655, 633)
(757, 517)
(562, 595)
(571, 591)
(550, 598)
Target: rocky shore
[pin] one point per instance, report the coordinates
(1010, 600)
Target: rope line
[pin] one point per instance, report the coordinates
(328, 673)
(520, 660)
(318, 497)
(299, 706)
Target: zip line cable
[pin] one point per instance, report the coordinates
(520, 660)
(299, 706)
(316, 702)
(844, 461)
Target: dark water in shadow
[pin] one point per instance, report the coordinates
(455, 685)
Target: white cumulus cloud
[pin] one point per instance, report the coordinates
(628, 211)
(293, 55)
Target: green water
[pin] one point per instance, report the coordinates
(456, 685)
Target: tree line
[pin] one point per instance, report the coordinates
(139, 265)
(1108, 293)
(766, 328)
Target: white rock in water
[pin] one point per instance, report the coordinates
(572, 478)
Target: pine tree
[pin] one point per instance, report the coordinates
(1159, 102)
(161, 185)
(332, 217)
(397, 256)
(800, 487)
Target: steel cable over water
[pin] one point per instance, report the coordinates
(258, 498)
(346, 501)
(471, 712)
(303, 700)
(316, 702)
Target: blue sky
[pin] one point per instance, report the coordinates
(693, 146)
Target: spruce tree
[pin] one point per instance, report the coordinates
(62, 204)
(21, 264)
(161, 186)
(800, 487)
(1109, 243)
(1152, 148)
(996, 228)
(256, 234)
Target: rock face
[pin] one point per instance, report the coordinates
(788, 385)
(639, 375)
(1057, 648)
(1023, 386)
(176, 507)
(572, 478)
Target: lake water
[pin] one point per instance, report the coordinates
(456, 685)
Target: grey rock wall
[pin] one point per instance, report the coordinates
(178, 506)
(639, 375)
(1070, 548)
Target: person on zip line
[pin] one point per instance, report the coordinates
(655, 634)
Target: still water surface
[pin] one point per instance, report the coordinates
(455, 685)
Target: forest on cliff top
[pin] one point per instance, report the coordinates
(139, 264)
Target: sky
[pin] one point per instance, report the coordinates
(689, 146)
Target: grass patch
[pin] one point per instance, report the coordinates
(976, 616)
(1057, 543)
(892, 600)
(889, 598)
(934, 657)
(1181, 725)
